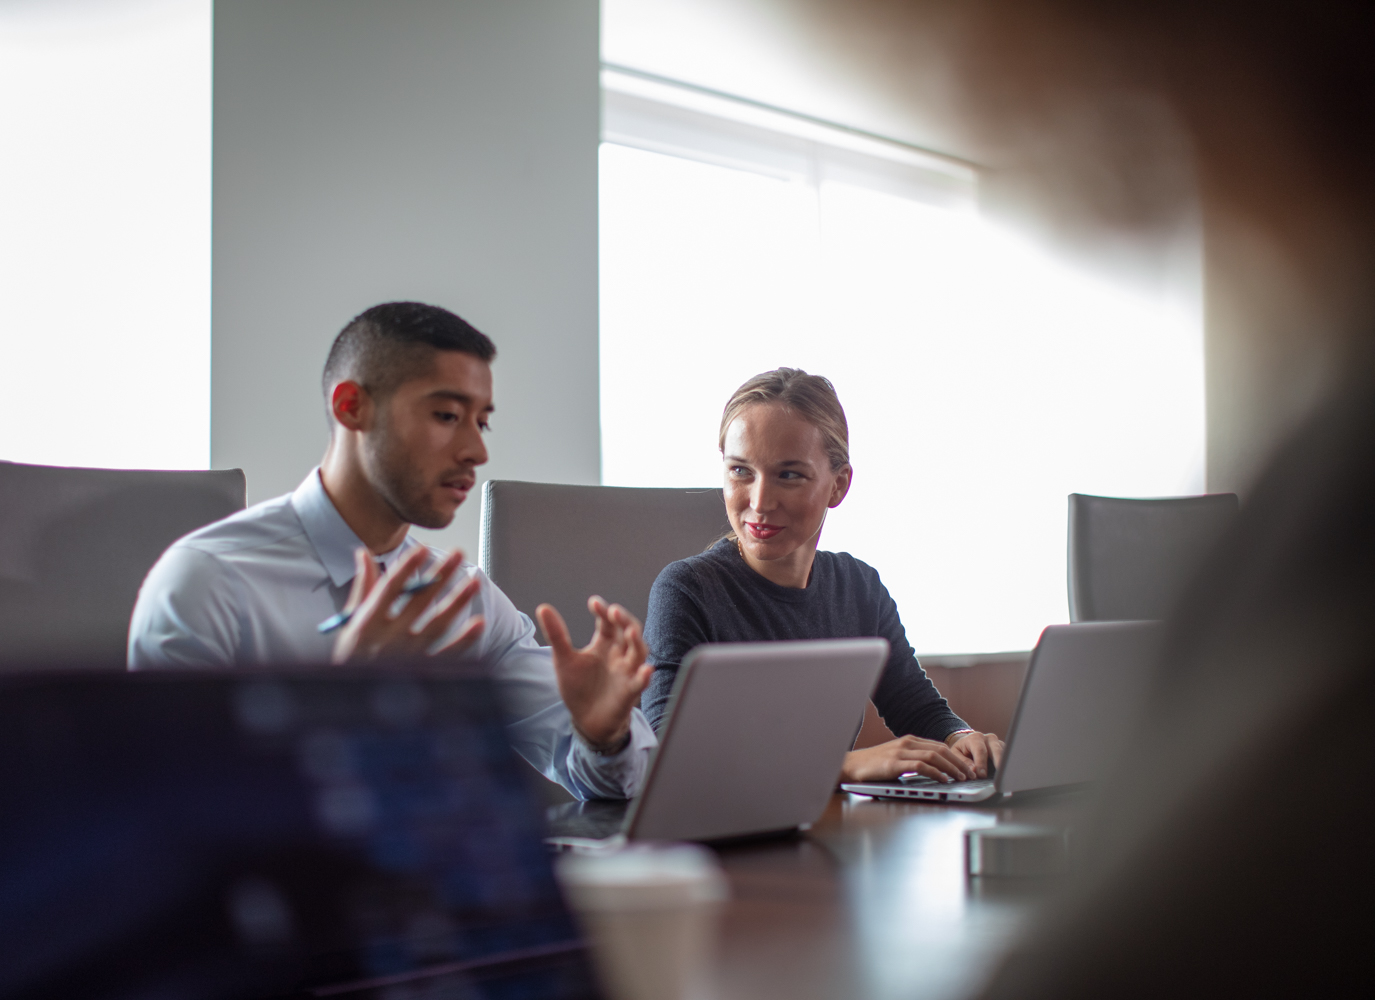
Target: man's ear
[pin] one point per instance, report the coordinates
(841, 486)
(351, 406)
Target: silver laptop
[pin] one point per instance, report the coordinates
(1083, 694)
(755, 736)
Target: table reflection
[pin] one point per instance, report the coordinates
(874, 902)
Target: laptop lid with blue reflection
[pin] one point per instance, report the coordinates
(244, 834)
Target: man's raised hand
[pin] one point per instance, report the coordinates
(375, 631)
(602, 682)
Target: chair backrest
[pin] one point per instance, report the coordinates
(75, 544)
(1129, 558)
(560, 544)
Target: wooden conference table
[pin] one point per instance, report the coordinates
(873, 902)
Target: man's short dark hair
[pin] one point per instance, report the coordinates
(395, 342)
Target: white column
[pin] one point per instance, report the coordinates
(375, 150)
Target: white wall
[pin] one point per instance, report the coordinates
(369, 150)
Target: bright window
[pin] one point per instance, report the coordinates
(105, 232)
(983, 379)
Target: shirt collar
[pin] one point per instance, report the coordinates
(331, 537)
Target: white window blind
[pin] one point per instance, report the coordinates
(983, 379)
(105, 232)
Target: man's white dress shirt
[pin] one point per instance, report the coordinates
(253, 588)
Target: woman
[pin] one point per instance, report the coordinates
(785, 443)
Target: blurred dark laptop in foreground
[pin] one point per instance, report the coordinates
(256, 834)
(1084, 692)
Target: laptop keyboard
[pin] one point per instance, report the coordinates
(951, 786)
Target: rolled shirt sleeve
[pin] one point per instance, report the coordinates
(542, 732)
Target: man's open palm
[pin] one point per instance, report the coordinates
(600, 683)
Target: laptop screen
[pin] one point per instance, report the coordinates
(1085, 689)
(253, 834)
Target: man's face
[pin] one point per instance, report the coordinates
(425, 444)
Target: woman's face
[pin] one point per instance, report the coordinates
(779, 482)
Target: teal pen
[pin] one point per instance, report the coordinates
(335, 622)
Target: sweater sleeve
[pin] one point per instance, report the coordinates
(905, 697)
(675, 624)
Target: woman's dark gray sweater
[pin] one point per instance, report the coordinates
(716, 597)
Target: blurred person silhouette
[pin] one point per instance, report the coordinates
(1231, 855)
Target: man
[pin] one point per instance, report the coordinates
(408, 389)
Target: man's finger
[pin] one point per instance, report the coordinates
(555, 631)
(459, 598)
(606, 630)
(997, 749)
(467, 635)
(422, 600)
(410, 563)
(621, 616)
(447, 611)
(631, 650)
(631, 632)
(380, 598)
(427, 599)
(364, 576)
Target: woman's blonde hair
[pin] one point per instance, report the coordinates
(811, 397)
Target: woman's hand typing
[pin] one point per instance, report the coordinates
(979, 749)
(929, 758)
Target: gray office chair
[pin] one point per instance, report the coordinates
(559, 544)
(75, 544)
(1129, 558)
